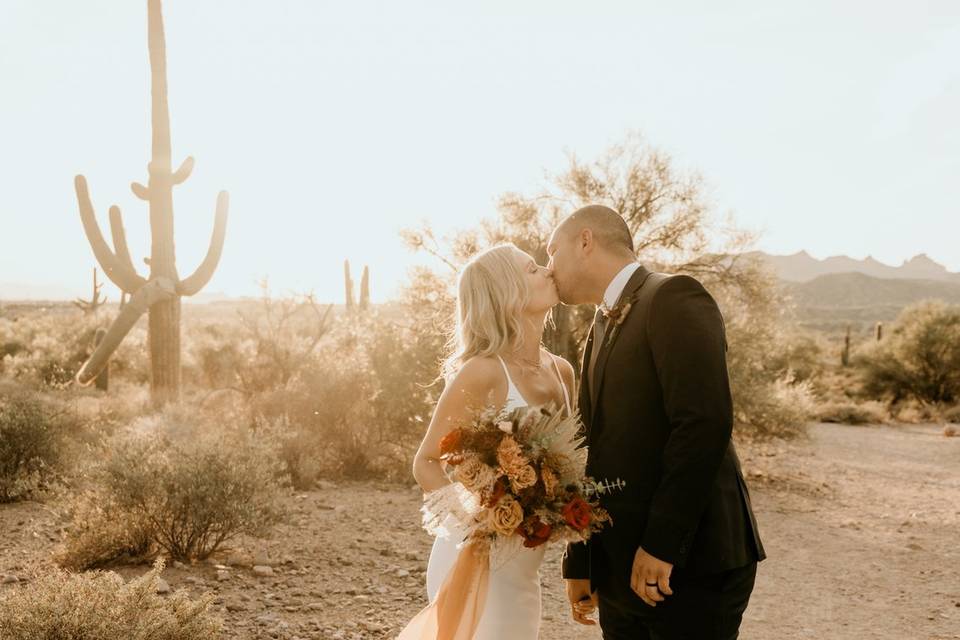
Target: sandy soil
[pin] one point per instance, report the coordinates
(860, 524)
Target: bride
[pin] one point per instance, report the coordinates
(503, 302)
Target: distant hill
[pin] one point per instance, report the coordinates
(837, 299)
(802, 267)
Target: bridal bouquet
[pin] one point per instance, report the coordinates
(518, 477)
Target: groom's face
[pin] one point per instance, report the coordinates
(565, 264)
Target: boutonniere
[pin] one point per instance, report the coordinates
(617, 314)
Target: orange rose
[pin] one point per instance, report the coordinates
(451, 442)
(576, 513)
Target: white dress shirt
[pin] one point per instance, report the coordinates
(615, 288)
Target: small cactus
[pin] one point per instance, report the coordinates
(348, 287)
(95, 302)
(845, 354)
(879, 331)
(365, 289)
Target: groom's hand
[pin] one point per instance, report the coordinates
(650, 578)
(583, 602)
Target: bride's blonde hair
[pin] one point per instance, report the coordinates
(492, 291)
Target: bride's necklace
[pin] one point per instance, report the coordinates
(527, 364)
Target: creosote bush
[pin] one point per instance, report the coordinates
(100, 606)
(920, 359)
(32, 437)
(184, 484)
(852, 413)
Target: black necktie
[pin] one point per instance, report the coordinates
(599, 331)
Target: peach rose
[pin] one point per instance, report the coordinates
(510, 456)
(474, 475)
(506, 516)
(525, 476)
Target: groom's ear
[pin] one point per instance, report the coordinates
(585, 240)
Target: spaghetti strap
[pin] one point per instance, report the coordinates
(514, 398)
(563, 385)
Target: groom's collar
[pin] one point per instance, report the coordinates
(616, 286)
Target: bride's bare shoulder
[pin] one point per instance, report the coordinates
(478, 376)
(566, 369)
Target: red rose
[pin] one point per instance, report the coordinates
(451, 442)
(536, 533)
(577, 513)
(499, 490)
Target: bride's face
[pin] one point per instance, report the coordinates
(543, 290)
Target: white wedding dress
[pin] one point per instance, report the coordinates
(512, 608)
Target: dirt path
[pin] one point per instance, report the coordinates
(860, 523)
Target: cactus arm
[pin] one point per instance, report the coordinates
(156, 43)
(147, 295)
(140, 191)
(186, 168)
(120, 248)
(199, 279)
(120, 273)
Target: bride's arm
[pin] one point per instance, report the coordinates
(471, 388)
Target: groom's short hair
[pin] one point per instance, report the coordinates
(609, 228)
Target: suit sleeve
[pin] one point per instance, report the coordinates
(576, 561)
(686, 336)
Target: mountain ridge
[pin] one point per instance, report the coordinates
(803, 267)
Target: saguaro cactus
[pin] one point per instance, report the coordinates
(365, 289)
(95, 302)
(845, 353)
(348, 287)
(161, 291)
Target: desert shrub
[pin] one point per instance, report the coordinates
(47, 347)
(768, 400)
(189, 485)
(358, 406)
(32, 438)
(952, 414)
(797, 353)
(102, 533)
(914, 411)
(404, 361)
(52, 346)
(323, 419)
(852, 413)
(920, 359)
(100, 606)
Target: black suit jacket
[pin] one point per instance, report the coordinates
(661, 420)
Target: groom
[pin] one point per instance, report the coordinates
(681, 557)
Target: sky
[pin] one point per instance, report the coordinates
(824, 126)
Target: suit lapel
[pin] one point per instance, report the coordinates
(585, 407)
(633, 285)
